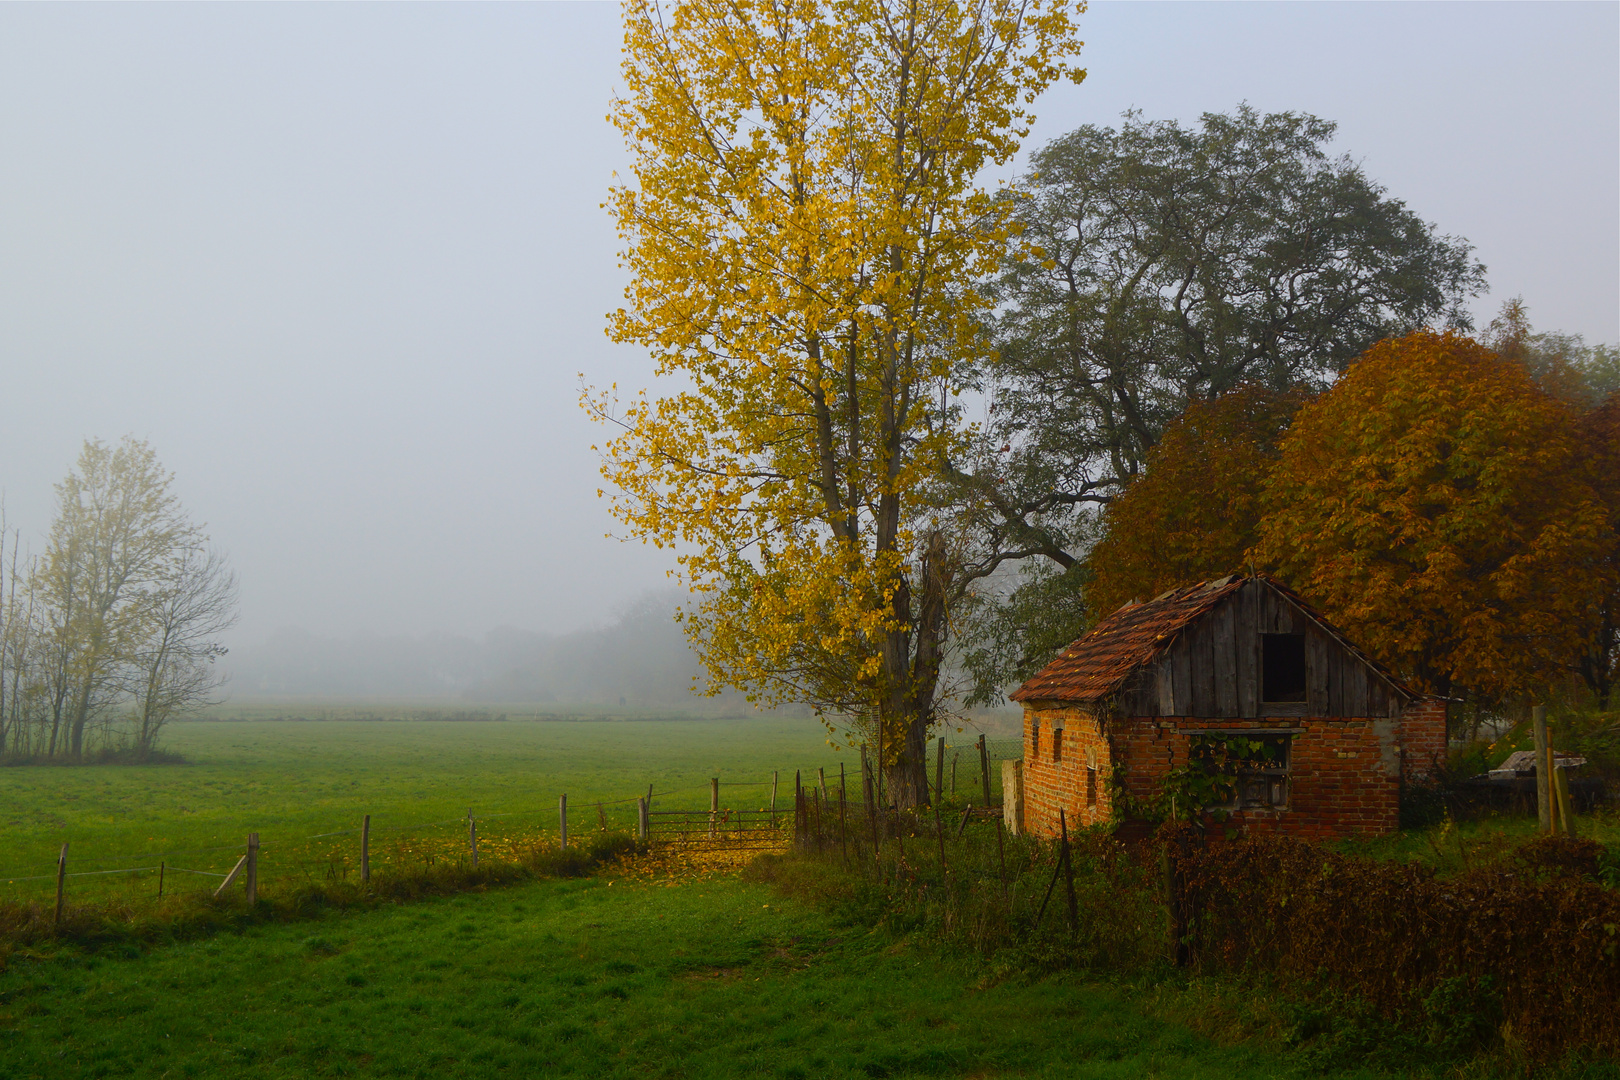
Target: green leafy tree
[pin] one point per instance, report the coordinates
(1166, 264)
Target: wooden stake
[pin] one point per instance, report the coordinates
(1068, 873)
(472, 837)
(798, 809)
(160, 879)
(601, 816)
(1565, 811)
(843, 833)
(774, 777)
(365, 849)
(562, 820)
(252, 869)
(871, 799)
(962, 826)
(61, 882)
(824, 796)
(230, 878)
(1001, 850)
(714, 802)
(984, 767)
(939, 769)
(1538, 719)
(641, 819)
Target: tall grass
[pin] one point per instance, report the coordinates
(1003, 897)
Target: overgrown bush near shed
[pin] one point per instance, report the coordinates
(1523, 954)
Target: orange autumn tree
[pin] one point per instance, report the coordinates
(1440, 508)
(1599, 661)
(1194, 511)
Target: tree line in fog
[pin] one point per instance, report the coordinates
(641, 660)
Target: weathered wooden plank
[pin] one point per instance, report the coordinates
(1201, 657)
(1246, 641)
(1318, 646)
(1355, 687)
(1336, 666)
(1165, 688)
(1180, 659)
(1223, 639)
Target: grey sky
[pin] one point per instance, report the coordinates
(341, 263)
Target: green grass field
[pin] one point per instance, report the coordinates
(293, 781)
(583, 978)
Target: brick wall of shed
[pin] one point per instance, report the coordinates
(1049, 784)
(1423, 735)
(1344, 773)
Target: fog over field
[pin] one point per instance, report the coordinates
(344, 266)
(641, 660)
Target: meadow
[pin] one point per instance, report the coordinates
(596, 977)
(649, 967)
(305, 786)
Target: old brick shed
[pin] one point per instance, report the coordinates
(1125, 704)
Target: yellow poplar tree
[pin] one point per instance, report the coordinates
(802, 229)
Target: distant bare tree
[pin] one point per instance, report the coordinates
(174, 664)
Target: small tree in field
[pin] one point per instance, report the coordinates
(114, 627)
(801, 233)
(1440, 507)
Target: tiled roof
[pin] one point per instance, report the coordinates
(1099, 663)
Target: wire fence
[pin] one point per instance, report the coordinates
(742, 814)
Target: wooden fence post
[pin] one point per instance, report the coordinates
(601, 816)
(562, 820)
(824, 796)
(161, 867)
(939, 770)
(252, 868)
(641, 820)
(1538, 720)
(472, 837)
(871, 800)
(773, 797)
(843, 831)
(798, 809)
(984, 767)
(365, 849)
(714, 804)
(61, 882)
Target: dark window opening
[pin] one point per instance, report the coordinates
(1091, 786)
(1034, 739)
(1282, 667)
(1057, 744)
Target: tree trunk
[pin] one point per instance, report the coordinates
(911, 662)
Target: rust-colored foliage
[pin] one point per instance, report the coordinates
(1600, 655)
(1439, 507)
(1192, 514)
(1546, 935)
